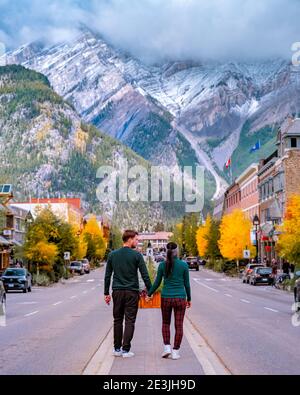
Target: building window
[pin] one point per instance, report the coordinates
(293, 142)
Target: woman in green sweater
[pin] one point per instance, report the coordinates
(176, 295)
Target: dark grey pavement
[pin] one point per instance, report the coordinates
(250, 328)
(54, 330)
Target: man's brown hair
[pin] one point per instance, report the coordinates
(129, 234)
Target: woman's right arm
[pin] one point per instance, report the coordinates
(187, 283)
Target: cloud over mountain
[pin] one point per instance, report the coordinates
(159, 29)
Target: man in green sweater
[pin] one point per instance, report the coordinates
(124, 265)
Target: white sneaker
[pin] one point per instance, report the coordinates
(117, 353)
(127, 354)
(175, 354)
(167, 352)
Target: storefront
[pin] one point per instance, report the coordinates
(4, 254)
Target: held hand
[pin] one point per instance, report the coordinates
(188, 305)
(148, 298)
(107, 299)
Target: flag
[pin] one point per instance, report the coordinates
(228, 163)
(255, 147)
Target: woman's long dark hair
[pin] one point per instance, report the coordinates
(171, 254)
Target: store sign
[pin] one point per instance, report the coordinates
(7, 232)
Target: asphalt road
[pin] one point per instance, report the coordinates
(250, 328)
(57, 330)
(54, 330)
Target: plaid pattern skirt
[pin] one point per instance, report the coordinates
(179, 307)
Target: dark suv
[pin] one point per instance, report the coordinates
(17, 279)
(193, 263)
(297, 290)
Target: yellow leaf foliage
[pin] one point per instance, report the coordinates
(289, 240)
(235, 235)
(202, 236)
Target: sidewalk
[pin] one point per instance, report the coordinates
(148, 346)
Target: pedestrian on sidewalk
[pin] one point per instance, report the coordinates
(124, 264)
(176, 296)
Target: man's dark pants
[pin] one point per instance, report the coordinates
(126, 304)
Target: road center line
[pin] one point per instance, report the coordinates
(228, 295)
(56, 304)
(245, 301)
(30, 314)
(206, 286)
(269, 309)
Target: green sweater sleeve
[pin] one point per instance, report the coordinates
(158, 280)
(187, 284)
(108, 274)
(144, 272)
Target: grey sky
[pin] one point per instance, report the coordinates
(155, 29)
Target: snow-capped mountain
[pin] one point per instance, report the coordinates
(177, 112)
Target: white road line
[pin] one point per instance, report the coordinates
(206, 286)
(93, 289)
(27, 303)
(208, 359)
(90, 281)
(84, 292)
(58, 303)
(30, 314)
(228, 295)
(73, 297)
(269, 309)
(245, 301)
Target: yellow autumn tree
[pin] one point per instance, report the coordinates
(81, 249)
(235, 237)
(43, 254)
(93, 236)
(202, 237)
(289, 240)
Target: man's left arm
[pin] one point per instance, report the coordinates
(108, 274)
(144, 272)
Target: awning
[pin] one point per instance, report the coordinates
(16, 243)
(3, 241)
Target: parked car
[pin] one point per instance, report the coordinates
(86, 265)
(2, 297)
(77, 267)
(159, 258)
(17, 279)
(248, 270)
(297, 290)
(202, 262)
(261, 275)
(193, 263)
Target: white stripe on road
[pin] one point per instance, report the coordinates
(90, 281)
(58, 303)
(30, 314)
(27, 303)
(73, 297)
(204, 285)
(269, 309)
(228, 295)
(93, 289)
(245, 301)
(85, 292)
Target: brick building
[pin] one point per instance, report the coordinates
(278, 179)
(232, 199)
(248, 183)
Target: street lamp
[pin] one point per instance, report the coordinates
(256, 223)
